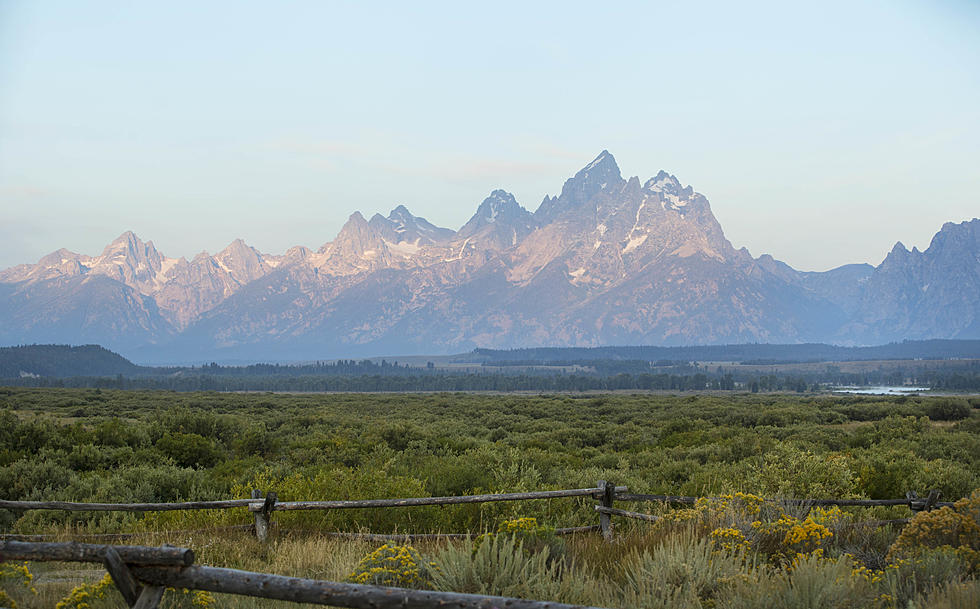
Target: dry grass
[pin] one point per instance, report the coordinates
(645, 566)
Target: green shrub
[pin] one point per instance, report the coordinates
(904, 579)
(500, 566)
(952, 595)
(188, 449)
(887, 474)
(683, 572)
(532, 536)
(789, 471)
(947, 409)
(812, 582)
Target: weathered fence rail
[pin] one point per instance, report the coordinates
(913, 502)
(71, 551)
(626, 513)
(256, 506)
(72, 506)
(605, 492)
(420, 501)
(360, 596)
(143, 573)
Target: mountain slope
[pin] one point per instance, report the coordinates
(934, 293)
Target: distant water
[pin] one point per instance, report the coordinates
(882, 390)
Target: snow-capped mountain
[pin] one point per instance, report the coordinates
(607, 261)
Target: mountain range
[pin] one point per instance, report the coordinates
(609, 261)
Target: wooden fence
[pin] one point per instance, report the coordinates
(142, 574)
(606, 493)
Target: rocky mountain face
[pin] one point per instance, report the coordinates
(608, 261)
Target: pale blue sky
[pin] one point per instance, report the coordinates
(821, 132)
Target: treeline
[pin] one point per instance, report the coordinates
(498, 382)
(93, 366)
(958, 382)
(392, 378)
(604, 366)
(344, 367)
(63, 360)
(811, 352)
(431, 382)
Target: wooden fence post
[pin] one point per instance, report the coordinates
(607, 491)
(121, 576)
(263, 518)
(920, 504)
(150, 597)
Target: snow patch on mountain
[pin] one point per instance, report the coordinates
(634, 243)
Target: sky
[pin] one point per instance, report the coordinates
(821, 132)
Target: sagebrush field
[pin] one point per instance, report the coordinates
(119, 446)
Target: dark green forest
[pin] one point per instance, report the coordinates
(94, 367)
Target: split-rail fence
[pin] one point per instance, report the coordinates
(262, 506)
(143, 573)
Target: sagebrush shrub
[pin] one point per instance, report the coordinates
(393, 565)
(957, 528)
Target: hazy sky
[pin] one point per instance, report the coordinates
(821, 132)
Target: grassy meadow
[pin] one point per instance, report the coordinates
(733, 551)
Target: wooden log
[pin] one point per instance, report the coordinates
(150, 597)
(72, 506)
(875, 523)
(417, 501)
(423, 536)
(626, 514)
(638, 497)
(608, 491)
(397, 536)
(576, 530)
(81, 536)
(71, 551)
(121, 576)
(263, 516)
(924, 504)
(662, 498)
(358, 596)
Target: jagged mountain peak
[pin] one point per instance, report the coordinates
(898, 252)
(504, 214)
(237, 244)
(663, 181)
(499, 202)
(601, 175)
(601, 172)
(966, 232)
(128, 243)
(401, 214)
(58, 257)
(604, 162)
(402, 226)
(354, 219)
(242, 261)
